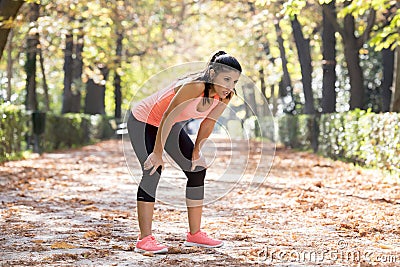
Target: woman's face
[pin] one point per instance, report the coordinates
(224, 82)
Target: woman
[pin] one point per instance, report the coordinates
(153, 126)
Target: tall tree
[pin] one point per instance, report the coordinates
(303, 51)
(44, 80)
(77, 83)
(31, 54)
(395, 105)
(387, 39)
(250, 100)
(9, 65)
(387, 81)
(95, 91)
(353, 41)
(328, 60)
(8, 11)
(271, 61)
(117, 77)
(285, 85)
(68, 69)
(73, 67)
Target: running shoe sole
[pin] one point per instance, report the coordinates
(161, 251)
(191, 244)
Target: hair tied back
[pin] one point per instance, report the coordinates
(217, 54)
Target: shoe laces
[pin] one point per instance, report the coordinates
(203, 234)
(153, 240)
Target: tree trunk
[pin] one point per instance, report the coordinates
(387, 81)
(30, 65)
(303, 51)
(77, 83)
(328, 61)
(351, 52)
(8, 10)
(117, 78)
(352, 45)
(118, 96)
(357, 93)
(9, 65)
(250, 100)
(273, 97)
(95, 94)
(395, 106)
(263, 91)
(262, 80)
(68, 69)
(285, 85)
(274, 100)
(45, 87)
(73, 66)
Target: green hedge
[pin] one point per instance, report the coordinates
(358, 136)
(71, 130)
(13, 131)
(299, 131)
(61, 131)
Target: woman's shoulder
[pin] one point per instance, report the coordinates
(188, 80)
(194, 86)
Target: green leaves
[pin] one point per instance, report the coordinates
(359, 136)
(293, 7)
(158, 34)
(388, 36)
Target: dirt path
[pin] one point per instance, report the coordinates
(77, 208)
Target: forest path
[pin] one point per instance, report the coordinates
(77, 208)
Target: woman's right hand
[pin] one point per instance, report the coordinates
(154, 160)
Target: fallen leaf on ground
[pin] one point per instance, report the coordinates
(62, 245)
(91, 234)
(385, 246)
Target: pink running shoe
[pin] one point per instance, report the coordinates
(150, 244)
(200, 239)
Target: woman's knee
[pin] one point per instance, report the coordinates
(196, 178)
(195, 185)
(148, 186)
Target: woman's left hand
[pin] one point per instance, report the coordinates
(198, 160)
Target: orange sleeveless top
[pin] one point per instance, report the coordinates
(151, 109)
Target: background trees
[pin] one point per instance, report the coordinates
(8, 11)
(322, 56)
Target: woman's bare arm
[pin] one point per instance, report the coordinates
(207, 125)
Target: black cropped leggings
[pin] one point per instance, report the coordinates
(178, 145)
